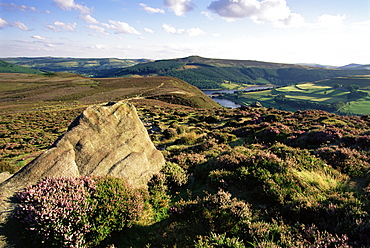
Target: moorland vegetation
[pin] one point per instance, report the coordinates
(246, 177)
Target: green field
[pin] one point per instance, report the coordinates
(317, 95)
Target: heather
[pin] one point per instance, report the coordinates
(81, 212)
(247, 177)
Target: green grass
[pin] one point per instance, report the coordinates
(360, 80)
(321, 92)
(359, 107)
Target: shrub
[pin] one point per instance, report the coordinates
(220, 178)
(226, 214)
(218, 241)
(328, 135)
(223, 137)
(215, 212)
(363, 141)
(67, 212)
(55, 211)
(346, 160)
(273, 234)
(189, 160)
(231, 160)
(115, 205)
(273, 118)
(7, 166)
(175, 174)
(158, 198)
(318, 238)
(170, 133)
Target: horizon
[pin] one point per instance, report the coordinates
(276, 31)
(68, 57)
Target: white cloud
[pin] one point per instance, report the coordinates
(191, 31)
(151, 10)
(13, 6)
(274, 11)
(148, 30)
(195, 31)
(99, 46)
(70, 4)
(89, 19)
(172, 30)
(3, 23)
(330, 21)
(179, 7)
(364, 26)
(66, 26)
(52, 28)
(207, 14)
(38, 37)
(216, 35)
(20, 25)
(294, 20)
(98, 29)
(120, 27)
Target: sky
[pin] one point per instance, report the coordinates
(327, 32)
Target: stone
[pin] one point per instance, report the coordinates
(104, 140)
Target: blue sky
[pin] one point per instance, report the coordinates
(331, 32)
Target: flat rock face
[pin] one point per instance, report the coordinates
(104, 140)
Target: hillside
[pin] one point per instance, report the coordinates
(91, 67)
(206, 73)
(19, 92)
(248, 177)
(355, 67)
(10, 68)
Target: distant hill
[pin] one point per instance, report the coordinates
(91, 67)
(6, 67)
(355, 67)
(206, 73)
(319, 65)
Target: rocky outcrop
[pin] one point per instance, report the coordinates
(104, 140)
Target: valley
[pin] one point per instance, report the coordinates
(334, 95)
(276, 175)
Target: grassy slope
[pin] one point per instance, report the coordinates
(25, 91)
(10, 68)
(84, 66)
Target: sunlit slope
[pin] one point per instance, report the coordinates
(6, 67)
(24, 91)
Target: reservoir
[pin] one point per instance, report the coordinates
(228, 103)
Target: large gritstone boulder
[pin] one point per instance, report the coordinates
(104, 140)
